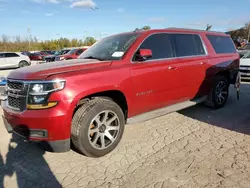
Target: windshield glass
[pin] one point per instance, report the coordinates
(110, 48)
(72, 51)
(58, 52)
(64, 52)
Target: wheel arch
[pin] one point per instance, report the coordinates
(23, 60)
(225, 73)
(115, 95)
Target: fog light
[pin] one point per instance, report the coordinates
(38, 133)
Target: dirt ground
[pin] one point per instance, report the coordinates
(196, 147)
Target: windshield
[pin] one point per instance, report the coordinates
(110, 48)
(58, 52)
(64, 52)
(72, 51)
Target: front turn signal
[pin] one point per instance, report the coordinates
(41, 106)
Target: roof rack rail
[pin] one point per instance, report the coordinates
(193, 29)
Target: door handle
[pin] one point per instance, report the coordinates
(171, 68)
(202, 63)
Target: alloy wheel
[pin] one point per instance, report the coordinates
(221, 92)
(103, 129)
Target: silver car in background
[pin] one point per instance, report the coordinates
(245, 67)
(13, 60)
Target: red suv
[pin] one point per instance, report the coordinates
(124, 78)
(72, 54)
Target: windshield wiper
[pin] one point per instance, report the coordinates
(93, 57)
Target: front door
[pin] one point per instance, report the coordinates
(2, 60)
(156, 81)
(12, 59)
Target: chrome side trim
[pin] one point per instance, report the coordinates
(165, 110)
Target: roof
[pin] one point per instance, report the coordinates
(175, 29)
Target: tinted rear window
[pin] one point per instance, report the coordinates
(222, 44)
(188, 45)
(11, 55)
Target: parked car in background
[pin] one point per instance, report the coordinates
(25, 52)
(13, 60)
(43, 53)
(36, 56)
(72, 54)
(48, 52)
(124, 78)
(245, 67)
(51, 58)
(243, 50)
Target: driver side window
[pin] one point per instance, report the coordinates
(160, 45)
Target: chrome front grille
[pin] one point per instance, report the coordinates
(245, 73)
(15, 103)
(17, 94)
(15, 85)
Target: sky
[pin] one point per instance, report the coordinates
(52, 19)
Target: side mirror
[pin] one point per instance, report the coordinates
(145, 53)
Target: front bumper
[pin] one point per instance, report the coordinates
(47, 127)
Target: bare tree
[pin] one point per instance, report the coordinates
(17, 39)
(5, 38)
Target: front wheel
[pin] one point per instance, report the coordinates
(97, 127)
(219, 93)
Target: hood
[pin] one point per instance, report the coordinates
(42, 71)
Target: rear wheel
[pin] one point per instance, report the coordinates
(97, 127)
(219, 93)
(23, 64)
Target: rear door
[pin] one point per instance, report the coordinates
(191, 56)
(12, 59)
(2, 60)
(156, 81)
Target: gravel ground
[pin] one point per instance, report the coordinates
(196, 147)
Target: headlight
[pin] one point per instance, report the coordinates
(39, 94)
(62, 58)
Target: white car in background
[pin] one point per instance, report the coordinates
(245, 67)
(13, 60)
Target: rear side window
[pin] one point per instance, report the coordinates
(188, 45)
(2, 55)
(222, 44)
(11, 55)
(160, 44)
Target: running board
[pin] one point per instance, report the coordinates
(163, 111)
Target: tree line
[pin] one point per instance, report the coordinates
(243, 32)
(31, 43)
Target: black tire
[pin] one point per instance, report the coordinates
(23, 64)
(214, 100)
(82, 122)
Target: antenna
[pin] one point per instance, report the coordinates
(208, 27)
